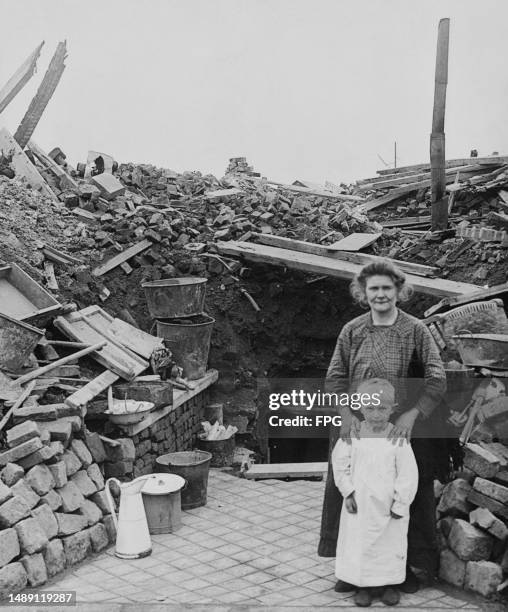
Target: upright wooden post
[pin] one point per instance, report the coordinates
(439, 219)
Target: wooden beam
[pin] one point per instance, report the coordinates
(22, 397)
(407, 189)
(310, 192)
(20, 78)
(259, 471)
(121, 257)
(40, 371)
(354, 242)
(317, 264)
(413, 178)
(22, 166)
(437, 138)
(450, 163)
(92, 389)
(358, 258)
(66, 181)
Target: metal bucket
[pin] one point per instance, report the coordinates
(223, 451)
(194, 467)
(483, 350)
(163, 503)
(189, 341)
(17, 341)
(175, 297)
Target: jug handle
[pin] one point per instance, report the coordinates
(110, 499)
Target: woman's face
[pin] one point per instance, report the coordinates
(381, 293)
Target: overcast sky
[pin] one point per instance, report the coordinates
(309, 89)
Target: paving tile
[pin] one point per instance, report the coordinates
(281, 571)
(240, 570)
(274, 599)
(232, 597)
(253, 544)
(322, 599)
(200, 569)
(193, 584)
(245, 555)
(229, 549)
(320, 585)
(260, 577)
(212, 591)
(262, 563)
(238, 584)
(224, 563)
(283, 556)
(303, 563)
(301, 578)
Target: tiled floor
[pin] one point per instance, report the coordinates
(254, 543)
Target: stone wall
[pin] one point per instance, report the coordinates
(53, 506)
(177, 431)
(473, 521)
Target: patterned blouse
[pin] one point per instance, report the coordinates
(365, 350)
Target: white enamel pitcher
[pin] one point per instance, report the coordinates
(132, 536)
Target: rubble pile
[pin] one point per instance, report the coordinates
(473, 521)
(476, 245)
(53, 506)
(107, 233)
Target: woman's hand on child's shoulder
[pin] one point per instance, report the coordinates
(350, 429)
(350, 502)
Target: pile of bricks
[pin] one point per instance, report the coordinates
(473, 521)
(239, 165)
(53, 506)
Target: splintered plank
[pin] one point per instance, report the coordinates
(450, 163)
(66, 181)
(121, 257)
(134, 338)
(259, 471)
(354, 242)
(20, 78)
(406, 189)
(311, 192)
(22, 166)
(324, 250)
(92, 324)
(380, 183)
(317, 264)
(92, 389)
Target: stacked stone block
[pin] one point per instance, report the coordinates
(53, 510)
(473, 522)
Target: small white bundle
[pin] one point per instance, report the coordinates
(217, 431)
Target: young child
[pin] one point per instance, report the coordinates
(378, 480)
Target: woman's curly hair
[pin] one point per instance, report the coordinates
(379, 268)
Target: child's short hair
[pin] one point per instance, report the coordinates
(378, 385)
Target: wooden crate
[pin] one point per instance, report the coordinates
(24, 299)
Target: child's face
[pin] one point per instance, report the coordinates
(377, 415)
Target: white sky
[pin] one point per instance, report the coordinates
(309, 89)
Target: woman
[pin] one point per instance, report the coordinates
(388, 343)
